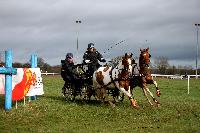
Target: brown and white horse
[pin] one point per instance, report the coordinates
(105, 77)
(145, 77)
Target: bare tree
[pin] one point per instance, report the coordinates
(116, 60)
(40, 62)
(161, 63)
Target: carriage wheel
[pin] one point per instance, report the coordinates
(86, 93)
(69, 93)
(118, 96)
(121, 96)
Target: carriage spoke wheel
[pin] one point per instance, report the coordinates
(118, 96)
(69, 93)
(85, 93)
(121, 96)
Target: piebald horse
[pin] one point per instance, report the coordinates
(145, 77)
(118, 77)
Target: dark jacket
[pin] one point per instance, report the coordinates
(94, 57)
(67, 71)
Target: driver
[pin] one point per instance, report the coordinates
(91, 57)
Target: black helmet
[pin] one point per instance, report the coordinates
(91, 45)
(69, 55)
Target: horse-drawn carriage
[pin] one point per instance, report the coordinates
(121, 77)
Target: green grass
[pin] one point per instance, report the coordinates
(179, 112)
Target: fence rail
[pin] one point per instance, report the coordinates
(174, 76)
(47, 73)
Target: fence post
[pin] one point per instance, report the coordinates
(188, 84)
(8, 81)
(8, 71)
(33, 65)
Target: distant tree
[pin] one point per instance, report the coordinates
(116, 60)
(26, 65)
(40, 62)
(17, 65)
(56, 69)
(47, 67)
(43, 65)
(161, 63)
(173, 69)
(185, 70)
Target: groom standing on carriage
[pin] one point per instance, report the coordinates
(91, 58)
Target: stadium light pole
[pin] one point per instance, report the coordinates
(197, 48)
(77, 22)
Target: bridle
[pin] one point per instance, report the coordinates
(127, 62)
(144, 62)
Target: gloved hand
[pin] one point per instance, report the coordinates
(87, 61)
(103, 60)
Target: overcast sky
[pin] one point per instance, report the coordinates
(49, 29)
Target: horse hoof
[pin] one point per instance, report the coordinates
(112, 104)
(158, 105)
(158, 93)
(134, 103)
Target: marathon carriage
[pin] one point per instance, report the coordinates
(81, 87)
(84, 88)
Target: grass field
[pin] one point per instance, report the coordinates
(179, 112)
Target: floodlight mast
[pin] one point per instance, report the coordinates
(197, 48)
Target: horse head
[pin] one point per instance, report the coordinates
(145, 56)
(127, 62)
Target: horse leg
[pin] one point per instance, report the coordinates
(131, 98)
(105, 97)
(102, 96)
(129, 90)
(157, 89)
(145, 94)
(154, 99)
(99, 94)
